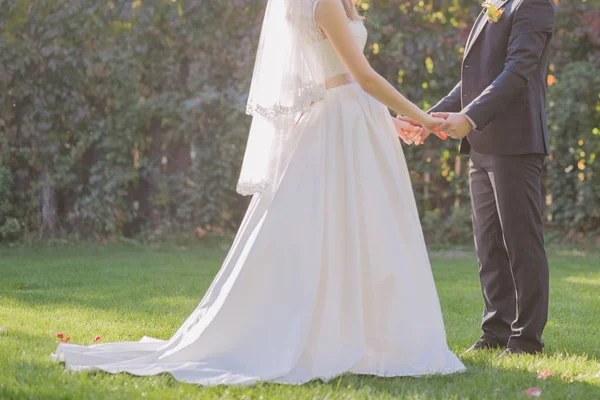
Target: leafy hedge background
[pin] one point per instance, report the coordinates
(125, 117)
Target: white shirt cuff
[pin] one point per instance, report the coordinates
(470, 120)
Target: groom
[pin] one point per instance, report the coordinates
(498, 111)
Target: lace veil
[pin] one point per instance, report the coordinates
(288, 78)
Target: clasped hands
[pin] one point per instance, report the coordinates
(441, 124)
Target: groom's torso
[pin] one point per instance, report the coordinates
(521, 126)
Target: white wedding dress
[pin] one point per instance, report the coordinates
(329, 275)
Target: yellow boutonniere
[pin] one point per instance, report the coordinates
(493, 15)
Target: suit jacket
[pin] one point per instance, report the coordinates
(503, 80)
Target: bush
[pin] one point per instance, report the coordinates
(125, 117)
(574, 174)
(448, 230)
(10, 230)
(6, 193)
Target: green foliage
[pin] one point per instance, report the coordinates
(6, 193)
(134, 109)
(10, 228)
(574, 119)
(574, 174)
(448, 230)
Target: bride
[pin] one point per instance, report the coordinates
(328, 273)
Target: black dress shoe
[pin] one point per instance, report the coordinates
(511, 351)
(484, 343)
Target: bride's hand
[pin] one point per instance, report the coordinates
(432, 123)
(408, 132)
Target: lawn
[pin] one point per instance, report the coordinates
(123, 292)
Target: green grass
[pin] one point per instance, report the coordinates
(125, 292)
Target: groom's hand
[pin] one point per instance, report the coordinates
(457, 126)
(424, 133)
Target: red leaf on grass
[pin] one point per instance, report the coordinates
(97, 339)
(60, 335)
(200, 232)
(65, 340)
(533, 392)
(544, 374)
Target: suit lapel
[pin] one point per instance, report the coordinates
(475, 32)
(480, 23)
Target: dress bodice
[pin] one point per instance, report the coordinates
(332, 64)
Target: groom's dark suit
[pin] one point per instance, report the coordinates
(503, 91)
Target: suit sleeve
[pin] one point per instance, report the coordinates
(450, 103)
(531, 31)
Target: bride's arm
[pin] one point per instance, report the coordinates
(331, 18)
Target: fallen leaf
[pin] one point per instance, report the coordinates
(65, 340)
(544, 374)
(60, 335)
(97, 339)
(533, 392)
(200, 232)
